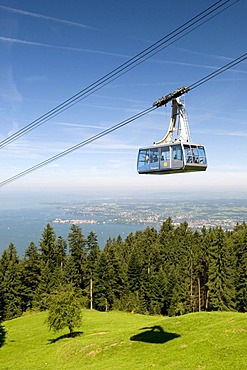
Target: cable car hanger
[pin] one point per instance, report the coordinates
(175, 153)
(178, 116)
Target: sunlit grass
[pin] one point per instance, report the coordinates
(118, 340)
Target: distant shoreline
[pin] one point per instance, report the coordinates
(75, 222)
(111, 218)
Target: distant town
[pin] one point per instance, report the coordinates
(209, 213)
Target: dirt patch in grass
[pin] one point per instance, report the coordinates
(94, 353)
(87, 347)
(99, 333)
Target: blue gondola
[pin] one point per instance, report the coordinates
(173, 154)
(172, 158)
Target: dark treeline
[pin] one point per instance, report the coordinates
(172, 271)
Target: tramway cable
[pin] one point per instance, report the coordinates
(146, 54)
(77, 146)
(160, 102)
(218, 71)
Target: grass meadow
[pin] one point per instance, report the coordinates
(119, 340)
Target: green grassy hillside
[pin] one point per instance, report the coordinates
(118, 340)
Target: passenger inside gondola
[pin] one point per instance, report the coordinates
(188, 154)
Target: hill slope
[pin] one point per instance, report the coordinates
(118, 340)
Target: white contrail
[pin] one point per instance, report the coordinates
(69, 48)
(30, 14)
(25, 42)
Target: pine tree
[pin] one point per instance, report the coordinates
(51, 254)
(150, 262)
(11, 283)
(31, 271)
(93, 250)
(182, 258)
(220, 279)
(127, 247)
(239, 239)
(134, 270)
(48, 247)
(119, 271)
(77, 263)
(93, 255)
(110, 287)
(60, 252)
(171, 291)
(59, 274)
(2, 307)
(45, 288)
(158, 292)
(203, 242)
(149, 237)
(166, 243)
(102, 294)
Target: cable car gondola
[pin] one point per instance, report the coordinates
(173, 154)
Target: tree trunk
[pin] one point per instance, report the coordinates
(70, 330)
(91, 293)
(207, 297)
(199, 294)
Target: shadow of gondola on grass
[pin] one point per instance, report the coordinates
(2, 335)
(66, 336)
(154, 334)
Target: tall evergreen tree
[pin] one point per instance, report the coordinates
(31, 271)
(11, 283)
(93, 255)
(111, 282)
(48, 247)
(239, 238)
(220, 279)
(183, 263)
(45, 288)
(60, 261)
(77, 263)
(127, 247)
(203, 242)
(60, 252)
(93, 250)
(51, 254)
(166, 242)
(2, 290)
(134, 270)
(158, 282)
(102, 294)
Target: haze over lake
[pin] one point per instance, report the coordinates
(20, 227)
(24, 222)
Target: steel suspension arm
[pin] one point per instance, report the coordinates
(175, 94)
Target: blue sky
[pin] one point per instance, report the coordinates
(51, 50)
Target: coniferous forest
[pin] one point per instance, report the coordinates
(172, 271)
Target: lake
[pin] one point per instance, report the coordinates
(22, 226)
